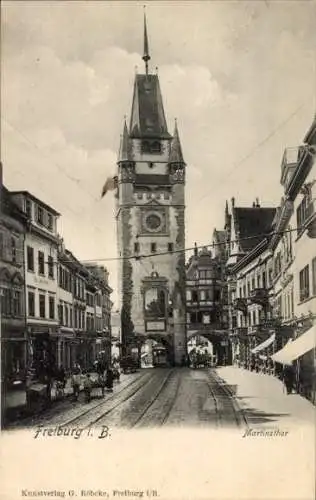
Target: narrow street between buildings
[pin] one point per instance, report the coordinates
(227, 397)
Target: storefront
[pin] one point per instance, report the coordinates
(42, 350)
(301, 352)
(13, 356)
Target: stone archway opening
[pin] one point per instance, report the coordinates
(155, 352)
(201, 346)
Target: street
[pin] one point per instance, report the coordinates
(150, 398)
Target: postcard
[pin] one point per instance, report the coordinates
(158, 250)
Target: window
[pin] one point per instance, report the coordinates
(30, 259)
(50, 266)
(41, 263)
(188, 294)
(166, 196)
(6, 302)
(50, 221)
(17, 303)
(139, 196)
(264, 280)
(170, 247)
(66, 315)
(51, 302)
(304, 283)
(40, 215)
(194, 296)
(61, 314)
(42, 305)
(31, 304)
(314, 275)
(304, 211)
(70, 316)
(28, 208)
(1, 245)
(202, 295)
(13, 250)
(136, 247)
(153, 247)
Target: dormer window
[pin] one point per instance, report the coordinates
(50, 221)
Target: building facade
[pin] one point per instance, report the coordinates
(12, 293)
(249, 278)
(150, 223)
(41, 280)
(207, 319)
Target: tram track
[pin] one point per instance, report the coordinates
(149, 414)
(134, 420)
(77, 420)
(225, 403)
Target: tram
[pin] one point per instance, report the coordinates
(160, 357)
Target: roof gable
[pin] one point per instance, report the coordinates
(252, 225)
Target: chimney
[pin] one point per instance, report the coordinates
(1, 175)
(233, 202)
(195, 250)
(257, 203)
(253, 204)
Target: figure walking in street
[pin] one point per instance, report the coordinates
(75, 380)
(288, 378)
(87, 385)
(109, 379)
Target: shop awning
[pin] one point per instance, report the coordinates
(296, 348)
(264, 344)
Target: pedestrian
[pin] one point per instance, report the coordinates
(76, 380)
(87, 385)
(288, 378)
(109, 379)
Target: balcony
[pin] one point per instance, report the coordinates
(259, 296)
(240, 331)
(240, 304)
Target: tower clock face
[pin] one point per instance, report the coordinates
(153, 221)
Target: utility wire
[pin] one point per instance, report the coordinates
(190, 249)
(258, 146)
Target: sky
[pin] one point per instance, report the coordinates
(240, 77)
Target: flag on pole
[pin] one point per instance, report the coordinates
(109, 185)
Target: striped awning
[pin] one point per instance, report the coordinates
(264, 344)
(294, 349)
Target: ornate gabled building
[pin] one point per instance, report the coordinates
(13, 224)
(150, 205)
(207, 317)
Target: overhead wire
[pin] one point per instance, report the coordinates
(190, 249)
(258, 146)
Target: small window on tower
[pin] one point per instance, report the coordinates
(153, 247)
(170, 247)
(166, 196)
(136, 247)
(148, 196)
(139, 196)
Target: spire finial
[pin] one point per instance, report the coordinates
(146, 56)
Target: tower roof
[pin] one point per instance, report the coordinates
(176, 155)
(124, 151)
(146, 56)
(148, 116)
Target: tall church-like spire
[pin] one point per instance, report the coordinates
(176, 155)
(146, 56)
(124, 145)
